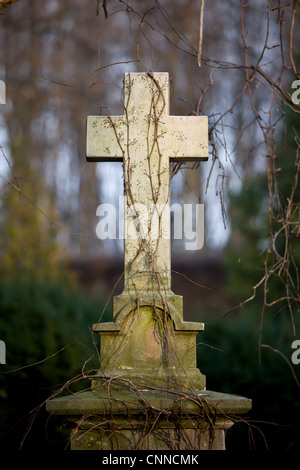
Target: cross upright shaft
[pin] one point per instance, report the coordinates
(145, 138)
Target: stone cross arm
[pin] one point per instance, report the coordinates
(146, 103)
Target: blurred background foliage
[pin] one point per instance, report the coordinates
(56, 276)
(250, 348)
(47, 327)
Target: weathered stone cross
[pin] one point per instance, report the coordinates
(143, 395)
(145, 138)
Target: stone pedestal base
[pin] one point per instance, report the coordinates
(148, 420)
(150, 343)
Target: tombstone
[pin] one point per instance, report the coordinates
(148, 393)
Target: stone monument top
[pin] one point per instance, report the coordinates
(145, 138)
(148, 316)
(148, 392)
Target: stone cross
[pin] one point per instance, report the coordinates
(148, 336)
(148, 353)
(145, 138)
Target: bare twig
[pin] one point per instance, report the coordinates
(200, 33)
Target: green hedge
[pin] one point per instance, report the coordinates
(228, 354)
(37, 320)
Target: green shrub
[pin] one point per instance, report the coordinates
(47, 331)
(230, 356)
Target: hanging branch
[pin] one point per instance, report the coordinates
(200, 33)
